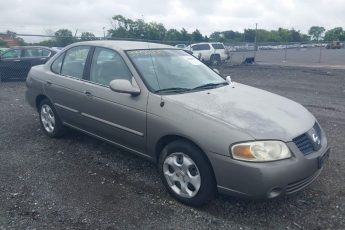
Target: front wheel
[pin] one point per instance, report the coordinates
(186, 173)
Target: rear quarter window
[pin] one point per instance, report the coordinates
(201, 47)
(218, 46)
(56, 66)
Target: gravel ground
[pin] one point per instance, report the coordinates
(78, 182)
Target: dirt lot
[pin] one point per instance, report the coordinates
(78, 182)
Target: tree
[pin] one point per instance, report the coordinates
(197, 36)
(155, 31)
(316, 32)
(48, 43)
(173, 35)
(294, 36)
(185, 36)
(335, 34)
(249, 35)
(3, 43)
(64, 37)
(11, 34)
(87, 36)
(217, 37)
(283, 34)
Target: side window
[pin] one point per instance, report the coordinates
(204, 47)
(108, 65)
(36, 52)
(15, 53)
(45, 53)
(56, 66)
(74, 62)
(31, 52)
(195, 47)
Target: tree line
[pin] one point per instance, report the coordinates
(126, 28)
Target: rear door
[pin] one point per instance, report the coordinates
(64, 84)
(10, 64)
(118, 117)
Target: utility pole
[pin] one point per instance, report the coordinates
(103, 32)
(256, 29)
(76, 31)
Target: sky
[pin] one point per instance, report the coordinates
(46, 16)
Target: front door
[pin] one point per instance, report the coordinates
(11, 65)
(118, 117)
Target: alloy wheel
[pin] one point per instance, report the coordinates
(48, 118)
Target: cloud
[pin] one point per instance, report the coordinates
(39, 16)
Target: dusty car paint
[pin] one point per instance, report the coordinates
(212, 119)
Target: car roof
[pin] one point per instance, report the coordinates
(125, 45)
(21, 47)
(209, 43)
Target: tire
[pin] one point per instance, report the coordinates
(49, 119)
(186, 173)
(215, 60)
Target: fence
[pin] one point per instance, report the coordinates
(291, 53)
(267, 53)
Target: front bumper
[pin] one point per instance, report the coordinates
(269, 179)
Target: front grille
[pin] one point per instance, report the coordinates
(304, 143)
(300, 184)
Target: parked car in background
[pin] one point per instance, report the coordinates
(205, 134)
(334, 45)
(15, 63)
(210, 53)
(181, 46)
(2, 50)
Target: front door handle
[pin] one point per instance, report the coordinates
(16, 60)
(48, 83)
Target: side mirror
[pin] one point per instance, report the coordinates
(124, 86)
(231, 83)
(228, 79)
(216, 70)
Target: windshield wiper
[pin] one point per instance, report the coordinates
(173, 90)
(211, 85)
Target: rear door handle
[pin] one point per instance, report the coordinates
(17, 60)
(87, 93)
(48, 83)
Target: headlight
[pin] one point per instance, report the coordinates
(260, 151)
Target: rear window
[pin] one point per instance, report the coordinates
(218, 46)
(201, 47)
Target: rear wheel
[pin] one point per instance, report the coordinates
(215, 60)
(186, 173)
(50, 120)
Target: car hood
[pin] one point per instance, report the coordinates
(260, 114)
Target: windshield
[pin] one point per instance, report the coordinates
(173, 69)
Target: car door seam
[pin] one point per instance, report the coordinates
(113, 124)
(66, 107)
(107, 140)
